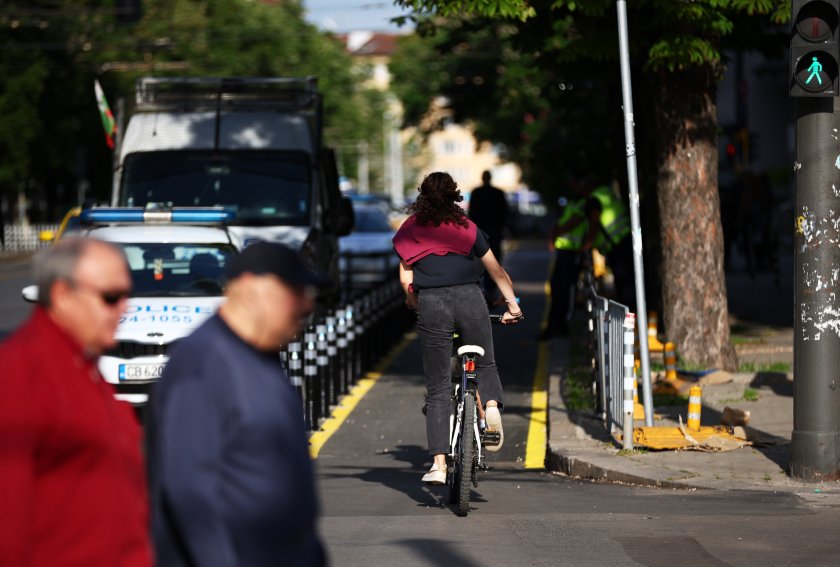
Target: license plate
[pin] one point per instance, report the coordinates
(141, 371)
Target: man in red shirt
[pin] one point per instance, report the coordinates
(72, 484)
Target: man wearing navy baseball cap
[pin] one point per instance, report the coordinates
(231, 478)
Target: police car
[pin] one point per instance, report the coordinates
(177, 260)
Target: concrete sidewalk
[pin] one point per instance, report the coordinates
(580, 446)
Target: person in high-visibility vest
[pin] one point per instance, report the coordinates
(568, 237)
(610, 234)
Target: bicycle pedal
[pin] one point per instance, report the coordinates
(491, 437)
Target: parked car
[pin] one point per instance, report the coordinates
(367, 254)
(177, 267)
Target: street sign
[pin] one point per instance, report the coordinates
(814, 51)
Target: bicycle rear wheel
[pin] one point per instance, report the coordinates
(466, 466)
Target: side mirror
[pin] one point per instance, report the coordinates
(30, 293)
(345, 219)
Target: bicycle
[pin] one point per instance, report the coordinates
(467, 433)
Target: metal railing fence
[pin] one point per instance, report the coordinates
(607, 326)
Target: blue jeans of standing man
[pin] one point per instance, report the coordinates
(442, 311)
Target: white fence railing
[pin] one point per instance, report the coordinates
(24, 238)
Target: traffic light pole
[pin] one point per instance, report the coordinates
(815, 443)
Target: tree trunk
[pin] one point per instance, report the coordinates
(696, 314)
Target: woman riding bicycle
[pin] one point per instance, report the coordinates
(442, 254)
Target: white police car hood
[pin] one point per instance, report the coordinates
(162, 320)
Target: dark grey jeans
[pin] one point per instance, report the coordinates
(442, 311)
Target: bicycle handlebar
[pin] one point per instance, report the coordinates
(497, 319)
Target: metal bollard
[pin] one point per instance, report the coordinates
(341, 343)
(670, 362)
(322, 362)
(294, 366)
(332, 357)
(695, 406)
(352, 344)
(629, 378)
(361, 315)
(310, 376)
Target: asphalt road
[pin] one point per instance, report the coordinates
(377, 512)
(14, 276)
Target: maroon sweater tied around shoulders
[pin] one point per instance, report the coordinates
(414, 241)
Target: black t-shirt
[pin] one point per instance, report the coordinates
(489, 209)
(452, 268)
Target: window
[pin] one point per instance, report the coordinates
(264, 188)
(176, 269)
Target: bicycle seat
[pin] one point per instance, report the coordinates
(471, 349)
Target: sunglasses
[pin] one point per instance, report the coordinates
(108, 297)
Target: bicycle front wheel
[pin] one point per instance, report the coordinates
(468, 455)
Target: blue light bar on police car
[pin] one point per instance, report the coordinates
(195, 215)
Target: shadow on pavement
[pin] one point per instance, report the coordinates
(667, 550)
(776, 381)
(437, 552)
(405, 479)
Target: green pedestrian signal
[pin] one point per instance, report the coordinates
(814, 53)
(815, 70)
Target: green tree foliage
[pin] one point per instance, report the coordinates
(53, 49)
(677, 50)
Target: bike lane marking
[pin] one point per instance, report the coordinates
(349, 402)
(535, 446)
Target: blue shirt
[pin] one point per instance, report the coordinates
(231, 478)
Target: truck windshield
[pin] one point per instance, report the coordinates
(264, 188)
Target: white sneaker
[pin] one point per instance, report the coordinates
(435, 475)
(494, 423)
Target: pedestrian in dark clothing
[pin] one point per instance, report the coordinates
(72, 482)
(489, 211)
(231, 477)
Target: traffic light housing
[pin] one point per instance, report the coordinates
(814, 53)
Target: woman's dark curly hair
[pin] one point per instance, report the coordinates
(436, 204)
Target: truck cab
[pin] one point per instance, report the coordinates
(250, 145)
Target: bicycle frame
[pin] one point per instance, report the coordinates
(466, 384)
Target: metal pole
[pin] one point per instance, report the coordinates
(397, 191)
(815, 443)
(635, 224)
(364, 168)
(118, 140)
(386, 152)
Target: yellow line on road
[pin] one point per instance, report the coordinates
(537, 443)
(538, 428)
(349, 402)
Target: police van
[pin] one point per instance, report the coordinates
(177, 260)
(253, 145)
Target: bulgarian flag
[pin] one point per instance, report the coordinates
(105, 113)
